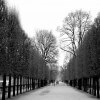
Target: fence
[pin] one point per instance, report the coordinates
(14, 85)
(90, 85)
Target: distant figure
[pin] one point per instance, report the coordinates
(57, 82)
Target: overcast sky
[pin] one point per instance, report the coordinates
(48, 14)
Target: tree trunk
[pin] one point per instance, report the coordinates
(33, 85)
(9, 87)
(4, 87)
(14, 81)
(97, 87)
(94, 87)
(17, 85)
(20, 84)
(79, 84)
(90, 85)
(28, 83)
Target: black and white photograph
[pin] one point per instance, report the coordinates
(49, 49)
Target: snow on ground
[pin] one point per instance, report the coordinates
(58, 92)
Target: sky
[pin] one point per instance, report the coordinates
(48, 14)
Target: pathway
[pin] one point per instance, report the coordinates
(58, 92)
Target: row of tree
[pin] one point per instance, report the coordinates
(86, 63)
(23, 60)
(83, 69)
(20, 55)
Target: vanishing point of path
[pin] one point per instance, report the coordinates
(58, 92)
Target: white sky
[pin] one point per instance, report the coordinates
(48, 14)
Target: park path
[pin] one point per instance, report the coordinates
(58, 92)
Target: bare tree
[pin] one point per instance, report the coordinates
(83, 24)
(46, 43)
(75, 26)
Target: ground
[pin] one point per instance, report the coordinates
(58, 92)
